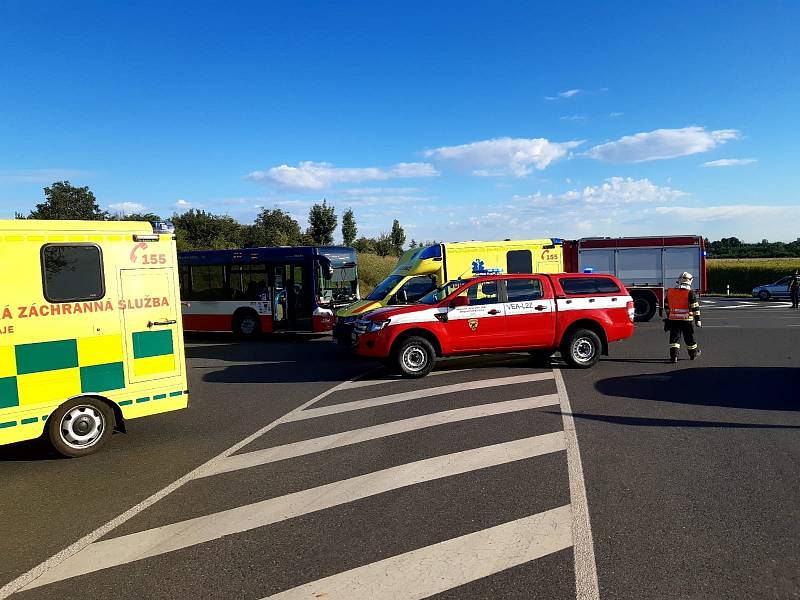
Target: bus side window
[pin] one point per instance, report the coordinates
(208, 283)
(71, 273)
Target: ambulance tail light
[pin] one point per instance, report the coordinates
(631, 310)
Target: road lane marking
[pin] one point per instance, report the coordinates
(586, 585)
(57, 559)
(324, 411)
(434, 569)
(369, 382)
(153, 542)
(356, 436)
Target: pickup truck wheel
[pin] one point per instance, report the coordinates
(414, 357)
(582, 349)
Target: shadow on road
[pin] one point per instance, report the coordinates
(653, 422)
(760, 388)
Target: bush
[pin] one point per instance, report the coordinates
(372, 269)
(746, 273)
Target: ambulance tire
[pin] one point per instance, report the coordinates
(414, 357)
(80, 427)
(246, 324)
(582, 348)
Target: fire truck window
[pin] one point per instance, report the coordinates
(523, 290)
(519, 261)
(72, 273)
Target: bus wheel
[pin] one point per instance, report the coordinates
(246, 324)
(80, 427)
(414, 357)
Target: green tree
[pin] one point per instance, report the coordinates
(349, 229)
(150, 217)
(62, 200)
(364, 245)
(201, 230)
(397, 237)
(383, 245)
(322, 223)
(274, 227)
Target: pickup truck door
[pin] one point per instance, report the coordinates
(530, 313)
(479, 325)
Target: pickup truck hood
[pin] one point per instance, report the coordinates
(391, 311)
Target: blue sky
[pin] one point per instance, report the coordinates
(465, 120)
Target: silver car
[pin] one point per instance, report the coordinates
(779, 289)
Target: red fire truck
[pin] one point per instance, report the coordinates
(648, 266)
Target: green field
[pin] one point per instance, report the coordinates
(743, 274)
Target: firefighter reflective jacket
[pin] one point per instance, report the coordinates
(682, 305)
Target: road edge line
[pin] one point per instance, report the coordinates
(586, 584)
(21, 581)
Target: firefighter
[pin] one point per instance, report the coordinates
(794, 288)
(683, 313)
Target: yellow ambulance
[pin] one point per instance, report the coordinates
(90, 330)
(422, 269)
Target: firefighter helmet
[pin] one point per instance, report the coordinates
(685, 277)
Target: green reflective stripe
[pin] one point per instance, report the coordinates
(174, 394)
(692, 347)
(29, 420)
(145, 399)
(8, 392)
(100, 378)
(44, 417)
(674, 345)
(8, 424)
(46, 356)
(159, 396)
(152, 343)
(126, 402)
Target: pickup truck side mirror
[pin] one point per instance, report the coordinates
(459, 301)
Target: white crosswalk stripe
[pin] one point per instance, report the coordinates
(324, 411)
(136, 546)
(337, 440)
(446, 565)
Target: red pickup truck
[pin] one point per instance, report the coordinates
(578, 314)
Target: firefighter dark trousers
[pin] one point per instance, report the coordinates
(678, 329)
(795, 293)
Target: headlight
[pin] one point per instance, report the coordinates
(347, 320)
(373, 326)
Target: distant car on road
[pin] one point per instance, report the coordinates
(779, 289)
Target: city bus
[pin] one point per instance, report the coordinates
(90, 334)
(250, 291)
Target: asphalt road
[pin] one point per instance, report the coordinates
(467, 484)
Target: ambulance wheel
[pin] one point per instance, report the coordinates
(582, 349)
(246, 324)
(414, 357)
(80, 427)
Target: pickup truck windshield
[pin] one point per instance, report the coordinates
(441, 292)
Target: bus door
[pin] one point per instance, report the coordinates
(291, 295)
(150, 318)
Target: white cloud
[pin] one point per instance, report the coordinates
(574, 118)
(41, 175)
(613, 191)
(730, 162)
(661, 144)
(504, 156)
(615, 115)
(728, 211)
(181, 203)
(309, 175)
(127, 207)
(381, 190)
(564, 94)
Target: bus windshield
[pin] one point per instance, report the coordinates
(342, 286)
(384, 287)
(441, 292)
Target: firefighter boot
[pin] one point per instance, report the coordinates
(673, 355)
(693, 354)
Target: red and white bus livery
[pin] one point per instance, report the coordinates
(263, 290)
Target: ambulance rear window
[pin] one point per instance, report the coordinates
(574, 286)
(72, 273)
